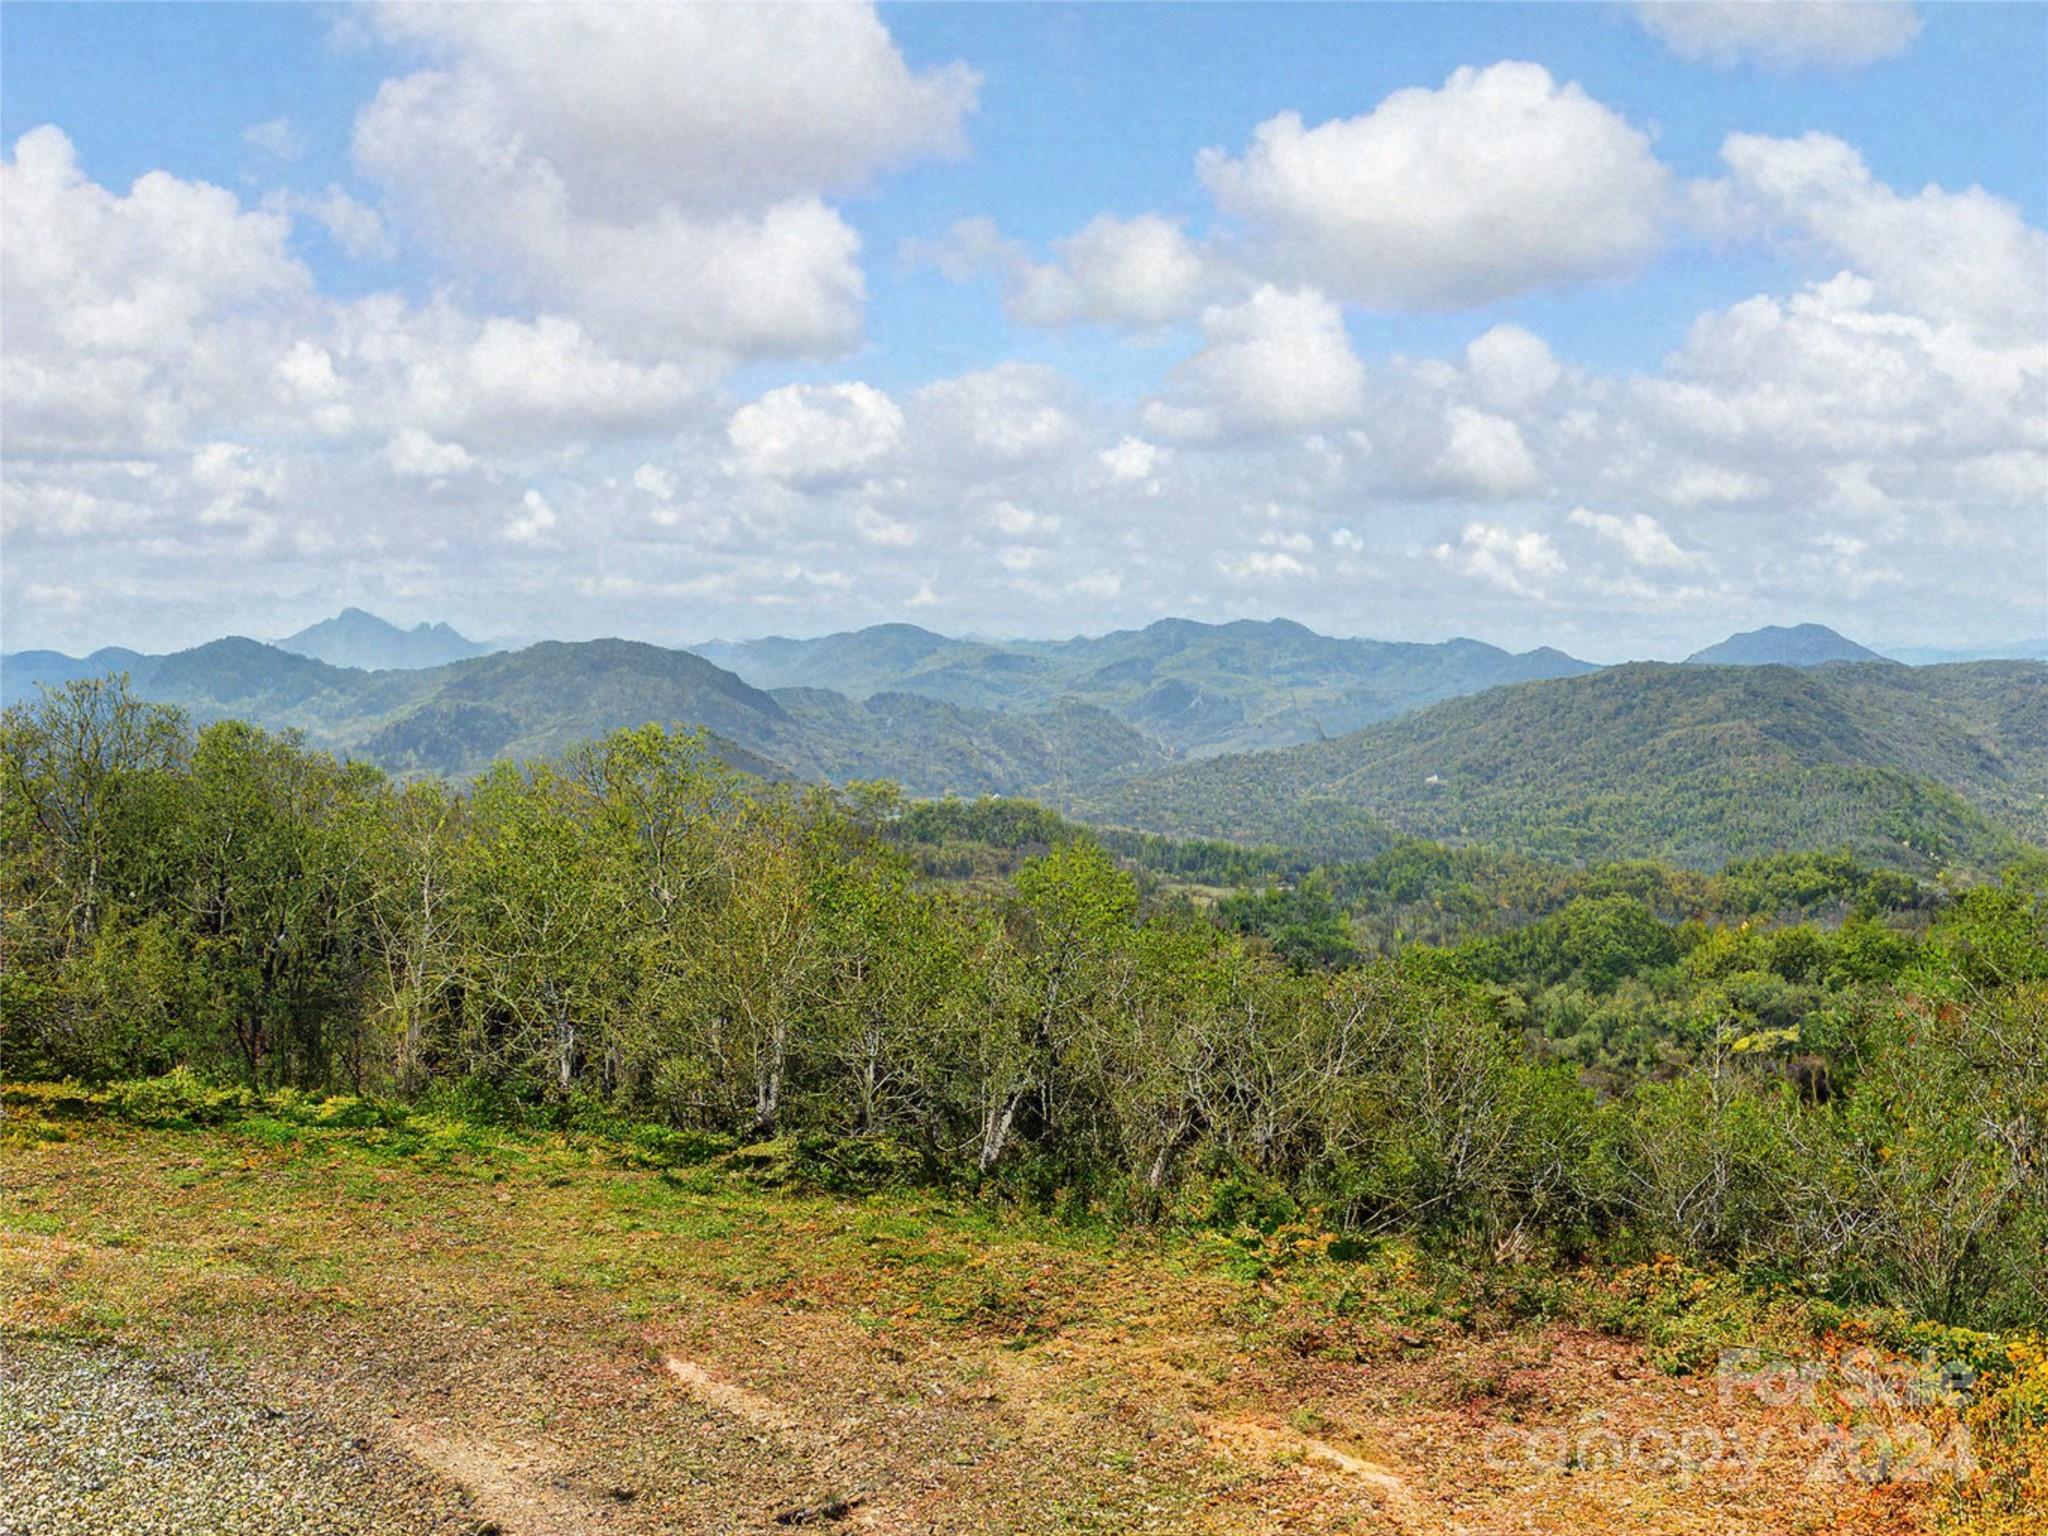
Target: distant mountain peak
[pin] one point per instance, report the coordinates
(358, 638)
(1796, 645)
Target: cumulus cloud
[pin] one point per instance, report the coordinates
(1132, 459)
(1782, 34)
(1016, 522)
(415, 455)
(777, 102)
(1828, 373)
(356, 228)
(806, 433)
(653, 480)
(1522, 563)
(550, 150)
(189, 423)
(531, 523)
(499, 379)
(1279, 362)
(113, 306)
(137, 273)
(1004, 415)
(1142, 272)
(1485, 456)
(1500, 182)
(878, 527)
(1640, 537)
(1511, 368)
(1967, 257)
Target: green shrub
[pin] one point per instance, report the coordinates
(180, 1097)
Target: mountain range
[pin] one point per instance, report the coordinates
(1231, 730)
(353, 638)
(1199, 688)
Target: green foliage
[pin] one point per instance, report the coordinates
(638, 944)
(179, 1097)
(1303, 923)
(1921, 770)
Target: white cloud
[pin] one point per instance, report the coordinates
(655, 481)
(1143, 272)
(658, 171)
(712, 107)
(172, 314)
(1782, 34)
(189, 423)
(1500, 182)
(1007, 414)
(414, 455)
(1280, 362)
(879, 528)
(358, 229)
(308, 372)
(1826, 373)
(1511, 368)
(1641, 538)
(807, 433)
(128, 274)
(1695, 485)
(276, 138)
(1521, 563)
(233, 471)
(532, 523)
(33, 506)
(1966, 257)
(1262, 565)
(1485, 456)
(503, 380)
(1016, 522)
(1132, 459)
(112, 305)
(241, 489)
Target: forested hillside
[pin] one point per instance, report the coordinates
(1913, 767)
(639, 930)
(1200, 688)
(457, 720)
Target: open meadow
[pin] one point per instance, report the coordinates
(321, 1317)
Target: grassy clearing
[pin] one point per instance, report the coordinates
(572, 1334)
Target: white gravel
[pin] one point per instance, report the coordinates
(99, 1441)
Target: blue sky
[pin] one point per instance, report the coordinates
(938, 423)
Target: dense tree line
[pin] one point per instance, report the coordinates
(638, 926)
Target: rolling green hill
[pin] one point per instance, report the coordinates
(1912, 767)
(1200, 688)
(459, 718)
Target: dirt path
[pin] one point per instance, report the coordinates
(512, 1487)
(557, 1346)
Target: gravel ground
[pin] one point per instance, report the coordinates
(99, 1441)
